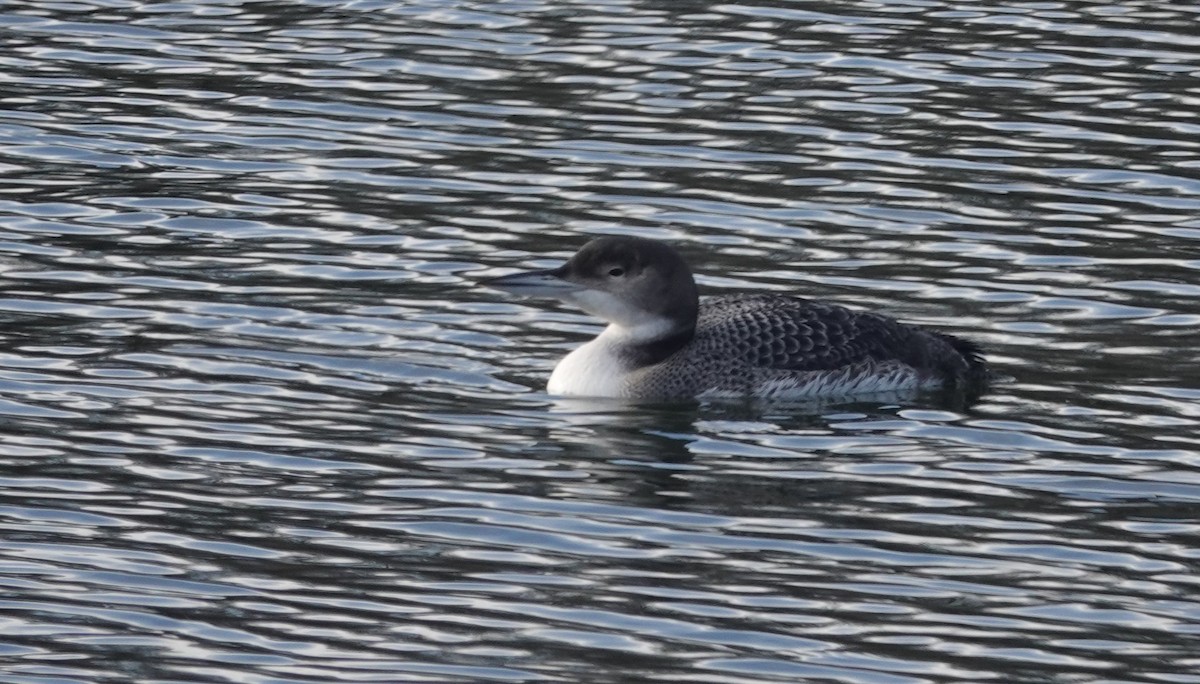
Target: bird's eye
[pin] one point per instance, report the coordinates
(616, 271)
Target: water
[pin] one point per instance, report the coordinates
(260, 424)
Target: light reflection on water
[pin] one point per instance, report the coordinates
(259, 423)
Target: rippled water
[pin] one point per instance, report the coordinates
(260, 424)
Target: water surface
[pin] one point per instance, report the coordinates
(260, 423)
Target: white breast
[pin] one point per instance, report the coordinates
(593, 370)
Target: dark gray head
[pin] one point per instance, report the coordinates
(641, 286)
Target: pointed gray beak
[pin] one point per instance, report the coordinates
(535, 284)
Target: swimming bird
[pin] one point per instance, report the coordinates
(663, 342)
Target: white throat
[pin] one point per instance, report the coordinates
(598, 368)
(644, 331)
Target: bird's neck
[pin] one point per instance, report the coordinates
(649, 342)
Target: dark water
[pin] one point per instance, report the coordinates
(258, 422)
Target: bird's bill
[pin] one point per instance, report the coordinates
(535, 284)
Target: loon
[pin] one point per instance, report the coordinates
(663, 342)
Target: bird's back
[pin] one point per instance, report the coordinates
(773, 345)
